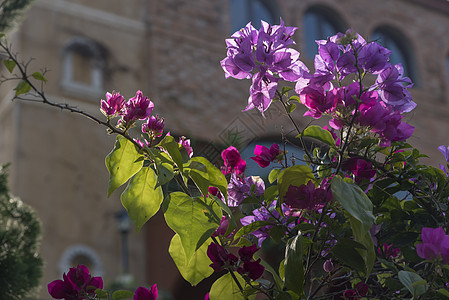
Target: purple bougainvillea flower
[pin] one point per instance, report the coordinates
(265, 156)
(113, 104)
(435, 243)
(143, 293)
(445, 151)
(241, 188)
(220, 258)
(137, 108)
(253, 269)
(233, 162)
(154, 126)
(246, 252)
(77, 283)
(392, 88)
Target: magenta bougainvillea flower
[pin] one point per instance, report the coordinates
(185, 142)
(360, 168)
(307, 196)
(113, 104)
(233, 162)
(264, 156)
(435, 244)
(138, 107)
(143, 293)
(251, 268)
(77, 284)
(360, 290)
(387, 251)
(154, 126)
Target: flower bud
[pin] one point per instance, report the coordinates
(328, 266)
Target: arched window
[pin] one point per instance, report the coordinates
(393, 40)
(83, 66)
(319, 23)
(244, 11)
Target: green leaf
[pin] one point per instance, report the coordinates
(164, 166)
(346, 252)
(205, 174)
(192, 219)
(354, 201)
(273, 272)
(122, 294)
(413, 282)
(285, 90)
(295, 98)
(22, 88)
(363, 236)
(225, 288)
(10, 65)
(290, 108)
(39, 76)
(444, 292)
(101, 294)
(273, 176)
(172, 147)
(123, 162)
(141, 198)
(296, 176)
(250, 228)
(195, 270)
(293, 265)
(277, 233)
(318, 133)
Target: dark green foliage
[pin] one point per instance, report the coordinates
(20, 232)
(10, 10)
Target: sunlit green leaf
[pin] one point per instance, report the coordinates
(205, 174)
(192, 219)
(123, 162)
(164, 166)
(195, 270)
(319, 133)
(225, 288)
(273, 176)
(141, 199)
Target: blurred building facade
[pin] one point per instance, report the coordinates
(171, 51)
